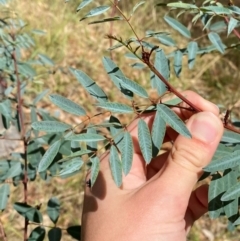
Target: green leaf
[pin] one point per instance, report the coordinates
(174, 101)
(116, 107)
(105, 20)
(83, 4)
(232, 24)
(137, 6)
(215, 192)
(67, 105)
(218, 26)
(75, 232)
(71, 166)
(89, 85)
(145, 141)
(116, 131)
(40, 96)
(113, 70)
(46, 60)
(216, 41)
(216, 10)
(133, 86)
(158, 133)
(127, 152)
(53, 209)
(55, 234)
(182, 5)
(166, 40)
(31, 213)
(50, 126)
(228, 161)
(87, 137)
(178, 62)
(171, 118)
(37, 234)
(4, 195)
(115, 165)
(231, 137)
(232, 193)
(94, 169)
(92, 145)
(231, 208)
(192, 49)
(162, 65)
(34, 153)
(96, 11)
(49, 156)
(178, 26)
(15, 170)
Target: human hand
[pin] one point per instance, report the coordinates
(155, 202)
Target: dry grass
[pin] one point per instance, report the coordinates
(73, 43)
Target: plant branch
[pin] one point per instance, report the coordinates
(111, 26)
(19, 98)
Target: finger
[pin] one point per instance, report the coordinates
(188, 156)
(198, 101)
(198, 205)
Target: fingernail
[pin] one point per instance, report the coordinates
(205, 126)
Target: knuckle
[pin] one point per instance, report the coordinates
(188, 157)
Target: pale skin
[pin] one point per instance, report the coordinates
(156, 202)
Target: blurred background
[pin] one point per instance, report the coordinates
(70, 42)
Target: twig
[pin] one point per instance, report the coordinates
(21, 119)
(111, 26)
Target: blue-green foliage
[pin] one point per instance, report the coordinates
(68, 148)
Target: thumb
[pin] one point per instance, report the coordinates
(188, 156)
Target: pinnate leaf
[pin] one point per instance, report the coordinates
(87, 137)
(231, 137)
(83, 4)
(216, 41)
(71, 166)
(178, 26)
(192, 49)
(94, 169)
(178, 62)
(37, 234)
(232, 193)
(116, 107)
(50, 126)
(55, 234)
(173, 120)
(4, 195)
(75, 232)
(113, 70)
(228, 161)
(67, 105)
(31, 213)
(53, 209)
(232, 24)
(137, 5)
(89, 85)
(127, 152)
(116, 167)
(145, 140)
(162, 65)
(158, 133)
(133, 86)
(48, 156)
(96, 11)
